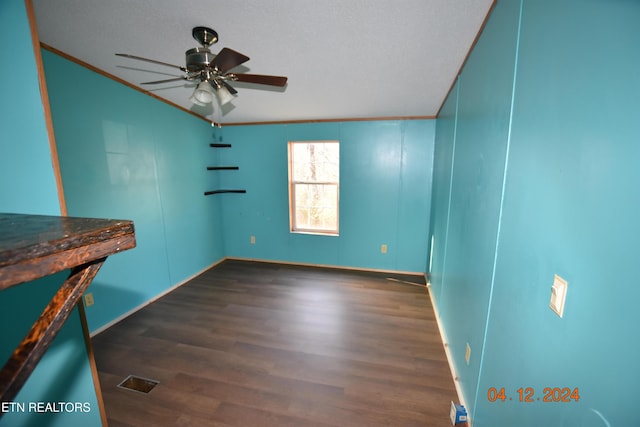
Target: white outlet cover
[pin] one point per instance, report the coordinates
(558, 295)
(467, 354)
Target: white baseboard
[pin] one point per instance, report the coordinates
(337, 267)
(452, 367)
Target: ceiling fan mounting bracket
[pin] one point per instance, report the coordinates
(205, 36)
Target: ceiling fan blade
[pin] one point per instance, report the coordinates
(126, 55)
(227, 59)
(260, 79)
(175, 79)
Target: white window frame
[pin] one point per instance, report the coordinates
(294, 227)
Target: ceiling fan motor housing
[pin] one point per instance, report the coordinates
(198, 59)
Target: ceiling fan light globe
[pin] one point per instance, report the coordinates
(195, 101)
(224, 96)
(203, 94)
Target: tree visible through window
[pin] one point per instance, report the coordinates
(314, 168)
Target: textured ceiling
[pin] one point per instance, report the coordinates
(345, 59)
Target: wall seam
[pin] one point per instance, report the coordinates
(453, 162)
(399, 210)
(500, 215)
(162, 212)
(443, 334)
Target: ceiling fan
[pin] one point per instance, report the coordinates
(211, 70)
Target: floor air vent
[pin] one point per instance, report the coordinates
(139, 384)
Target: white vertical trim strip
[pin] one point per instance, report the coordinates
(447, 352)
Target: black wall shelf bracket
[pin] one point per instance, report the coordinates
(221, 168)
(218, 168)
(208, 193)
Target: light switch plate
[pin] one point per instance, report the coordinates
(558, 294)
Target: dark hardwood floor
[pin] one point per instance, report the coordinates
(257, 344)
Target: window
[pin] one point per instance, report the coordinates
(314, 168)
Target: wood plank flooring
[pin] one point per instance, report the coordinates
(257, 344)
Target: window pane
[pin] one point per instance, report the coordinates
(315, 161)
(314, 186)
(299, 162)
(316, 206)
(326, 161)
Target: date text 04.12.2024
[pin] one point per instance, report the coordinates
(549, 394)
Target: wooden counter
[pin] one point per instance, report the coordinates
(34, 246)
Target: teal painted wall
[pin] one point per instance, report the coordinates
(126, 155)
(444, 147)
(567, 205)
(385, 194)
(26, 169)
(481, 134)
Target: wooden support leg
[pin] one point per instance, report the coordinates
(25, 358)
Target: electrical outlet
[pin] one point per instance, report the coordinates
(253, 240)
(88, 300)
(467, 354)
(558, 295)
(383, 249)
